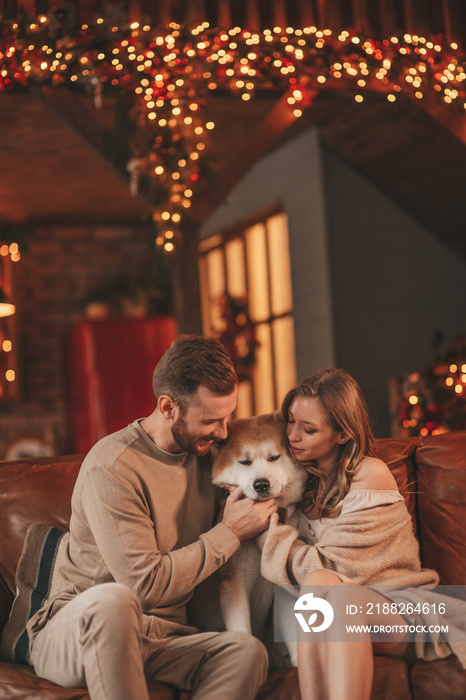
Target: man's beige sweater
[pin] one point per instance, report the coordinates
(141, 517)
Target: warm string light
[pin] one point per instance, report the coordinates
(434, 400)
(10, 250)
(170, 73)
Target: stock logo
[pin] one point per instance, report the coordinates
(308, 603)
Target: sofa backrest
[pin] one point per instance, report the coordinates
(441, 505)
(400, 455)
(32, 491)
(430, 472)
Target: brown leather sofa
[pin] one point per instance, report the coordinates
(431, 474)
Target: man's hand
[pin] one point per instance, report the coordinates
(247, 518)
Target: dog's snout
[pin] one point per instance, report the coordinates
(261, 486)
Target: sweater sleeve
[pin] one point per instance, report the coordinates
(124, 537)
(286, 559)
(375, 545)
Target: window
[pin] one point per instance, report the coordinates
(254, 263)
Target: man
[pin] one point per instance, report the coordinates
(142, 537)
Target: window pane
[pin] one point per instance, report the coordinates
(236, 273)
(244, 408)
(256, 263)
(263, 372)
(216, 283)
(285, 365)
(258, 280)
(204, 288)
(280, 268)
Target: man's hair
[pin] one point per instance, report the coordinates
(192, 361)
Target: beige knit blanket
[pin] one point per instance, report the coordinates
(368, 547)
(375, 545)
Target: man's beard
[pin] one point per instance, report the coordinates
(187, 442)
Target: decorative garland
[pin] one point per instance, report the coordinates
(168, 75)
(433, 400)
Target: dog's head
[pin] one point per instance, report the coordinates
(255, 457)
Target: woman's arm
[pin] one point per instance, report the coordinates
(373, 545)
(286, 559)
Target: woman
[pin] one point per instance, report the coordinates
(354, 529)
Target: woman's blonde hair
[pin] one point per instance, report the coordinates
(341, 398)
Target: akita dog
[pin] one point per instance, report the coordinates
(255, 458)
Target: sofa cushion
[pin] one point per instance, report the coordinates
(391, 681)
(442, 679)
(33, 582)
(21, 683)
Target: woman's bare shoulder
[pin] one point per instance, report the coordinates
(373, 474)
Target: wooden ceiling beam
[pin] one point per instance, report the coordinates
(70, 109)
(257, 144)
(450, 118)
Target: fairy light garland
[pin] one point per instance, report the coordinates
(170, 73)
(433, 400)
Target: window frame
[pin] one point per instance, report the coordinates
(219, 241)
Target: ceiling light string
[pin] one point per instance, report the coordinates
(169, 73)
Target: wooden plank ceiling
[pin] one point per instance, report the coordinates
(52, 141)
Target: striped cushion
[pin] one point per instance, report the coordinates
(33, 582)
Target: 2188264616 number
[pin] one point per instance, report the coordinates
(393, 608)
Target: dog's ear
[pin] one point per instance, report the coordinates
(277, 415)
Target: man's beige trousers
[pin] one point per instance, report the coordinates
(97, 641)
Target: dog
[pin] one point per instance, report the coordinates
(254, 457)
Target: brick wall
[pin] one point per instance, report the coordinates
(58, 268)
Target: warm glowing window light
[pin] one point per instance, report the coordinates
(243, 266)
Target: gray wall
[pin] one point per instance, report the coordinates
(292, 178)
(393, 285)
(370, 284)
